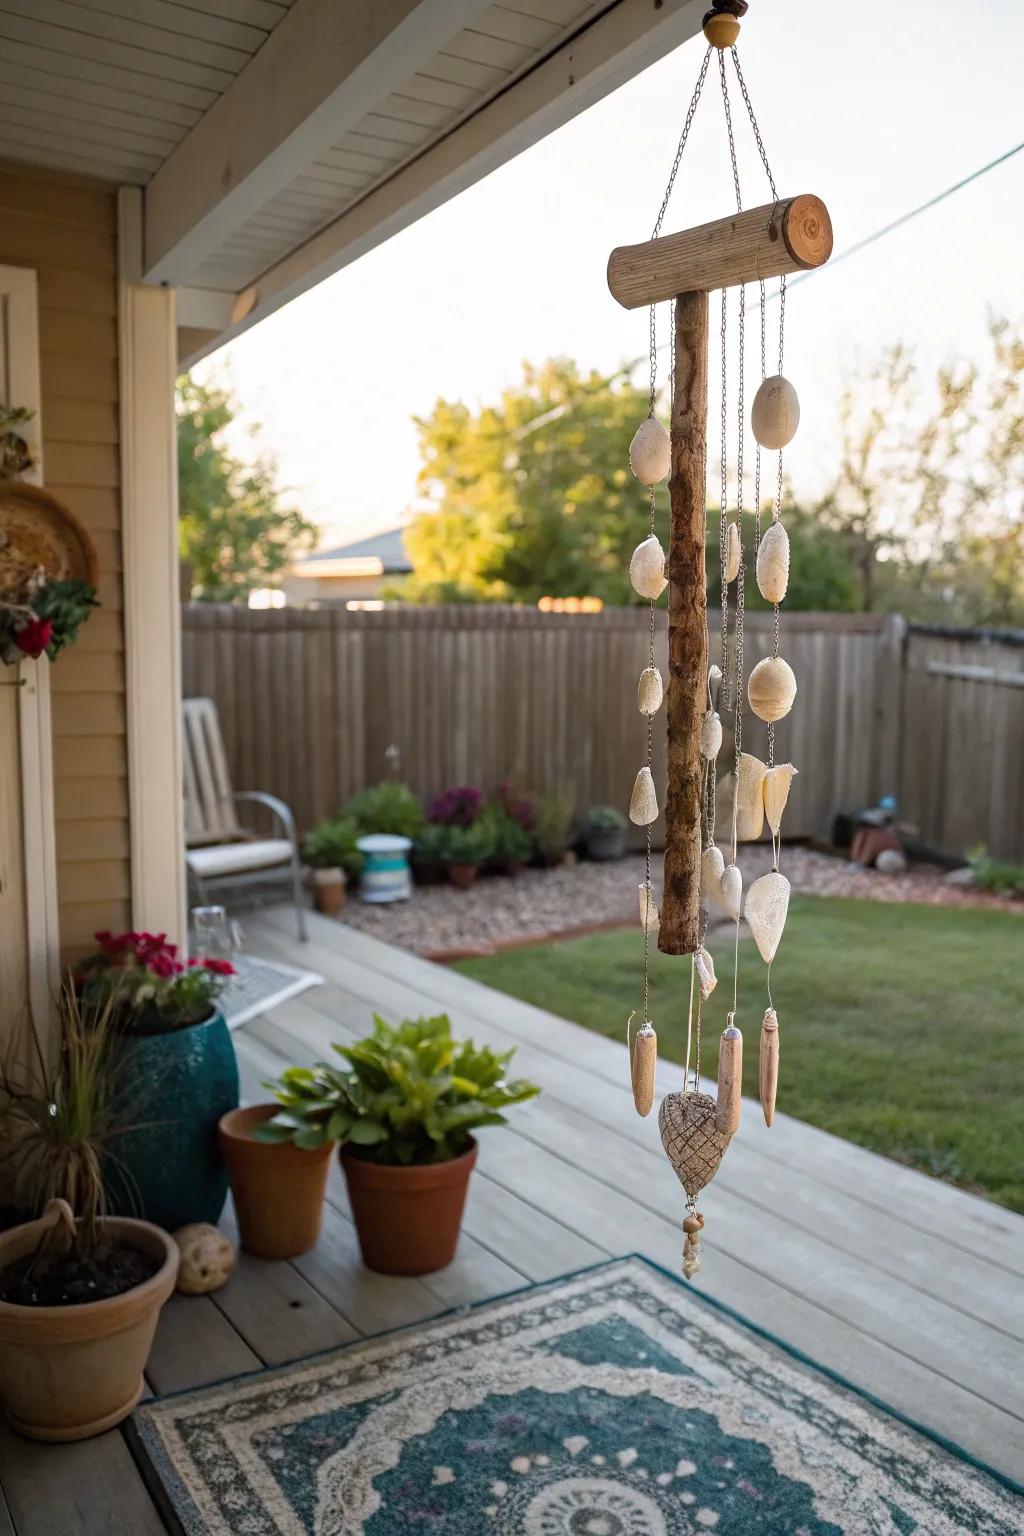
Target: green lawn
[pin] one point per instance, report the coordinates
(902, 1027)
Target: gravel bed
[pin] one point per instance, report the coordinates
(443, 921)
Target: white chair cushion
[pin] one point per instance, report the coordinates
(237, 858)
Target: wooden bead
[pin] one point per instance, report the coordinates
(771, 689)
(693, 1224)
(720, 30)
(775, 414)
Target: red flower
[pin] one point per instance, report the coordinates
(34, 636)
(161, 965)
(220, 967)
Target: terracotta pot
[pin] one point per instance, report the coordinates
(329, 891)
(278, 1189)
(463, 875)
(71, 1372)
(408, 1219)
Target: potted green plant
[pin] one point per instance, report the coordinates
(404, 1108)
(428, 865)
(387, 807)
(552, 831)
(604, 833)
(329, 849)
(80, 1291)
(174, 1048)
(465, 849)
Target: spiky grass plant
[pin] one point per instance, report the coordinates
(51, 1144)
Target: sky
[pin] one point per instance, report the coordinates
(874, 106)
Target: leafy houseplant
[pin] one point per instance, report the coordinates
(331, 853)
(173, 1045)
(998, 875)
(386, 807)
(604, 834)
(404, 1107)
(428, 854)
(513, 845)
(58, 1269)
(457, 807)
(552, 831)
(465, 849)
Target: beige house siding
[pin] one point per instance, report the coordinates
(66, 228)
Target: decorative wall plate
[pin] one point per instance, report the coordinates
(36, 529)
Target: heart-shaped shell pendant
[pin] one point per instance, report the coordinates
(765, 912)
(693, 1143)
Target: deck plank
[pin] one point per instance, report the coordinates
(196, 1344)
(92, 1488)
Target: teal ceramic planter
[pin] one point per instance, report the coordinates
(174, 1087)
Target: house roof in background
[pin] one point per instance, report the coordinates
(382, 553)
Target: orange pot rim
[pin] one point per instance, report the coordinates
(387, 1176)
(264, 1151)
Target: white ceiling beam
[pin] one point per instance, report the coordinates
(604, 55)
(324, 66)
(210, 309)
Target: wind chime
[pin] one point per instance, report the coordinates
(781, 237)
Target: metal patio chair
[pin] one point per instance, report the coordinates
(219, 851)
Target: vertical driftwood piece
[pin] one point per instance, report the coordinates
(687, 628)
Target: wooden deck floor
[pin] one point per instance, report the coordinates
(906, 1286)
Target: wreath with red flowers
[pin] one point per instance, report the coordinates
(43, 616)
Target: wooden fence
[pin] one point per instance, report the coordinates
(310, 701)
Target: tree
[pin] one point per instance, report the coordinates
(234, 534)
(534, 495)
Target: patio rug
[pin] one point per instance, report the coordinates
(261, 984)
(612, 1403)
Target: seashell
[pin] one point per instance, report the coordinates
(771, 688)
(730, 1078)
(643, 804)
(693, 1143)
(773, 563)
(710, 735)
(775, 413)
(768, 1067)
(712, 863)
(733, 553)
(765, 912)
(647, 568)
(776, 793)
(649, 917)
(714, 677)
(705, 968)
(891, 861)
(650, 691)
(730, 891)
(643, 1058)
(691, 1255)
(750, 798)
(650, 452)
(207, 1258)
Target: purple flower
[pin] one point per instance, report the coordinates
(458, 807)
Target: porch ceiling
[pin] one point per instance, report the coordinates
(276, 140)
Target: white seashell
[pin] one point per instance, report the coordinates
(714, 677)
(765, 912)
(750, 798)
(650, 691)
(891, 861)
(710, 735)
(207, 1258)
(773, 563)
(733, 553)
(650, 452)
(776, 792)
(730, 891)
(771, 688)
(775, 414)
(705, 968)
(649, 916)
(643, 804)
(712, 863)
(647, 568)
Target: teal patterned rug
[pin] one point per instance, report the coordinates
(613, 1403)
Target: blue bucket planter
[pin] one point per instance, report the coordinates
(386, 874)
(174, 1088)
